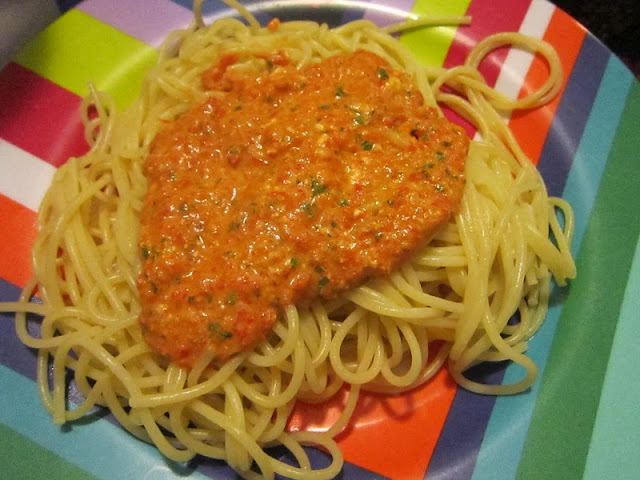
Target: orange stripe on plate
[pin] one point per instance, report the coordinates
(401, 445)
(531, 127)
(18, 225)
(390, 435)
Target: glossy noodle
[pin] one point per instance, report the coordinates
(449, 306)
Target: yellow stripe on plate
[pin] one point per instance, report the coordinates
(78, 49)
(430, 45)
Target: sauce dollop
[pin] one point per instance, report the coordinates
(286, 185)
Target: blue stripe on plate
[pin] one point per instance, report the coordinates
(461, 443)
(511, 417)
(510, 420)
(98, 447)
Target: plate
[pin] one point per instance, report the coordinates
(579, 420)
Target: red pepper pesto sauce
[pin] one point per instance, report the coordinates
(286, 185)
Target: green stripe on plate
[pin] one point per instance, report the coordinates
(430, 45)
(23, 458)
(78, 49)
(561, 429)
(615, 443)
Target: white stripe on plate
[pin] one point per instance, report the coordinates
(24, 177)
(518, 61)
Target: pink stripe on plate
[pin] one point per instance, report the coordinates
(39, 116)
(147, 20)
(487, 18)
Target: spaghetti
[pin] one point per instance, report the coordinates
(450, 304)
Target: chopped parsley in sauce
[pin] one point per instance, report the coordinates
(287, 185)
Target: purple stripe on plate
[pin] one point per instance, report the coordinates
(13, 353)
(457, 448)
(147, 20)
(571, 117)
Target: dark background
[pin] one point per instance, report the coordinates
(615, 22)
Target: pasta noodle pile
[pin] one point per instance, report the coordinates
(496, 257)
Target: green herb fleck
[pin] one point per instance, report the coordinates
(145, 252)
(307, 208)
(441, 156)
(334, 224)
(446, 144)
(216, 329)
(426, 168)
(234, 226)
(322, 282)
(294, 262)
(367, 145)
(343, 202)
(172, 176)
(317, 188)
(378, 236)
(319, 269)
(382, 74)
(439, 188)
(191, 299)
(324, 107)
(154, 287)
(390, 202)
(230, 254)
(339, 91)
(232, 298)
(359, 116)
(184, 207)
(239, 107)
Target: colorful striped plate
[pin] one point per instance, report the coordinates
(580, 420)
